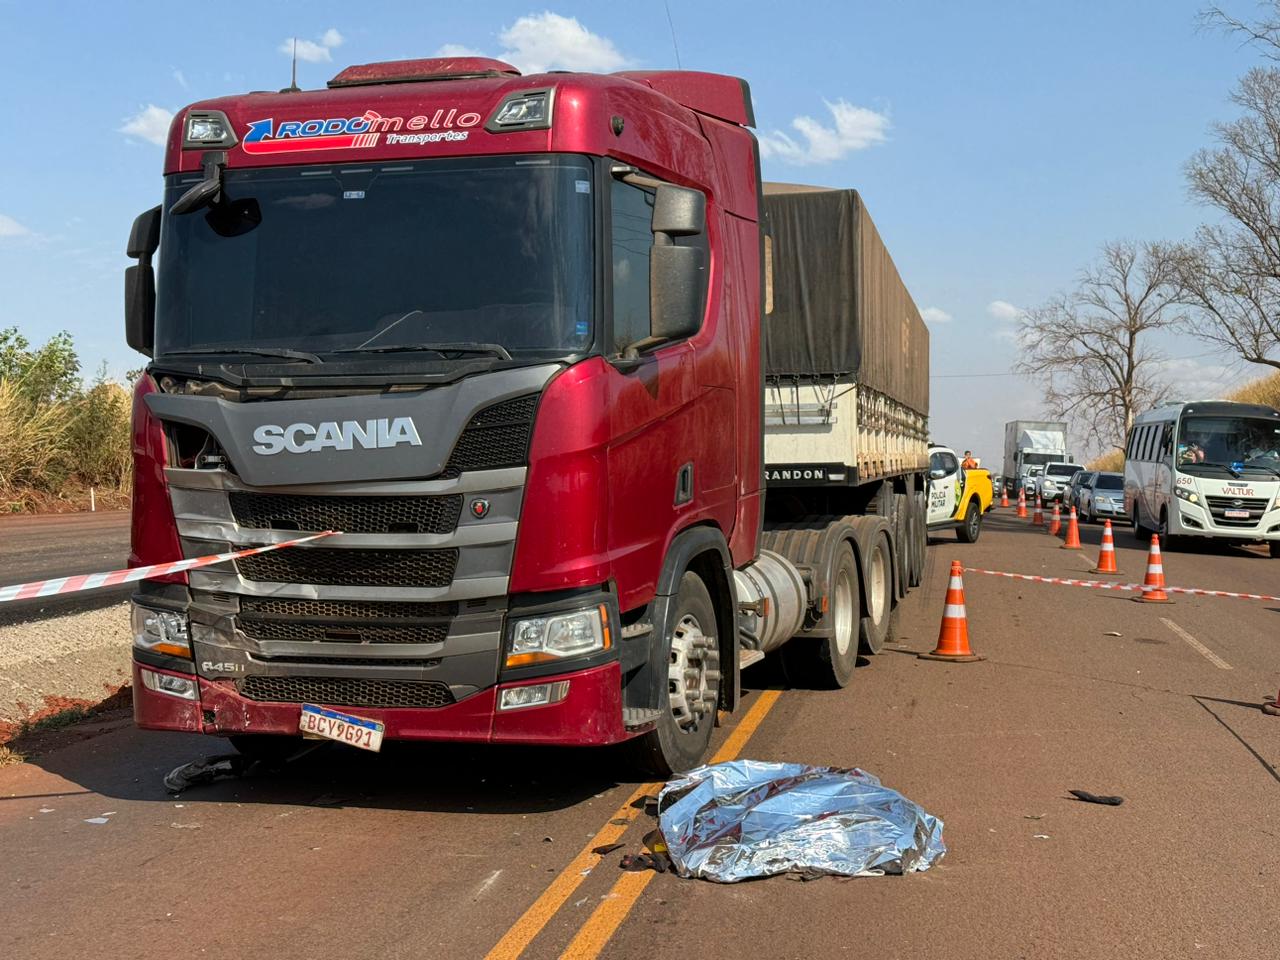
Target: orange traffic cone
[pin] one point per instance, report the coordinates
(1038, 517)
(1153, 585)
(1022, 502)
(953, 635)
(1055, 525)
(1107, 555)
(1004, 495)
(1073, 532)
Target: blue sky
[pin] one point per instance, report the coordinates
(997, 145)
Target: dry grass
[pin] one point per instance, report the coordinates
(9, 757)
(51, 450)
(1265, 390)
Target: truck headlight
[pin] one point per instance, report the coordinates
(542, 639)
(161, 631)
(1188, 495)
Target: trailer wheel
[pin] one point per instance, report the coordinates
(918, 535)
(877, 585)
(902, 533)
(828, 662)
(682, 734)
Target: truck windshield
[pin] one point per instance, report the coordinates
(1040, 458)
(1233, 442)
(374, 257)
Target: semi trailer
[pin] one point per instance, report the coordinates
(600, 417)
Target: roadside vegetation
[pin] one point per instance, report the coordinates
(59, 436)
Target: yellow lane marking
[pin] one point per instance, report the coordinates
(600, 926)
(530, 924)
(1196, 645)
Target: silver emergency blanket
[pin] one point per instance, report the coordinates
(744, 819)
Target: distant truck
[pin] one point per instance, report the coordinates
(1031, 443)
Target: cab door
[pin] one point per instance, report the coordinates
(944, 483)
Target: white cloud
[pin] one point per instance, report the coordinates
(547, 41)
(151, 123)
(855, 128)
(314, 51)
(181, 78)
(934, 315)
(458, 50)
(1189, 379)
(10, 227)
(1005, 311)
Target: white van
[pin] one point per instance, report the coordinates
(1205, 469)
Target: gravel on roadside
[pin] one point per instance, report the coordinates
(80, 656)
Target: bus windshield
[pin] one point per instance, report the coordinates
(1233, 442)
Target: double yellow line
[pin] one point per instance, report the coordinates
(613, 909)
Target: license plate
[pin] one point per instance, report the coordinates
(1236, 514)
(342, 727)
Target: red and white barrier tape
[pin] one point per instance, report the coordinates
(92, 581)
(1129, 587)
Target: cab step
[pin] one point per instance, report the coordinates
(747, 657)
(635, 717)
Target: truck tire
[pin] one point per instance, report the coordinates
(918, 535)
(828, 662)
(1274, 548)
(877, 586)
(971, 527)
(682, 734)
(902, 544)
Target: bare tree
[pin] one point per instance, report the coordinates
(1089, 348)
(1231, 274)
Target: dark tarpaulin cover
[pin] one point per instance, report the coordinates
(839, 306)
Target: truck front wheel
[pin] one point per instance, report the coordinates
(682, 733)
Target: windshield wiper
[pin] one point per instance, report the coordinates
(491, 349)
(280, 353)
(1261, 466)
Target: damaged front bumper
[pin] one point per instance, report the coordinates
(589, 714)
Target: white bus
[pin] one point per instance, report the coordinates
(1205, 469)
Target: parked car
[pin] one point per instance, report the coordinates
(1104, 498)
(1079, 483)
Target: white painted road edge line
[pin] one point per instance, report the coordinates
(1196, 645)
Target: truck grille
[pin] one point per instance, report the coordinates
(496, 437)
(359, 568)
(1218, 507)
(341, 632)
(348, 514)
(344, 692)
(346, 609)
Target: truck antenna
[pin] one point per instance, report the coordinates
(673, 34)
(293, 74)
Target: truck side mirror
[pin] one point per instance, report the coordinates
(140, 283)
(677, 274)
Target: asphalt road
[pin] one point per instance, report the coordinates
(431, 852)
(60, 545)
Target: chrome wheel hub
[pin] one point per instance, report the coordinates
(693, 676)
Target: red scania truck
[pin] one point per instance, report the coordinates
(601, 417)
